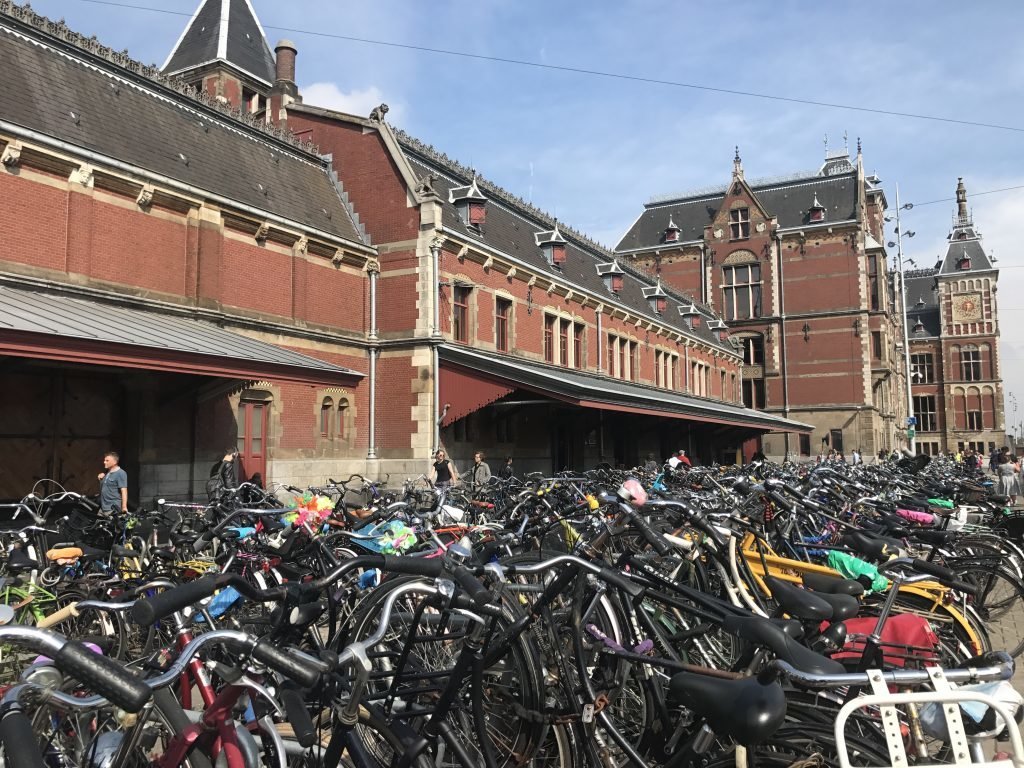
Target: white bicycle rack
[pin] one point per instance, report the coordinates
(950, 698)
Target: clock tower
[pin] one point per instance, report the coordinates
(954, 344)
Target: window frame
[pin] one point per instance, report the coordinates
(970, 370)
(739, 224)
(327, 418)
(753, 348)
(563, 341)
(874, 295)
(925, 413)
(753, 394)
(460, 313)
(579, 332)
(975, 420)
(612, 353)
(501, 323)
(634, 361)
(750, 289)
(549, 338)
(923, 363)
(876, 346)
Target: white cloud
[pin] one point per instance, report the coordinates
(355, 102)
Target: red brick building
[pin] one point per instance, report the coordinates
(953, 325)
(183, 270)
(796, 267)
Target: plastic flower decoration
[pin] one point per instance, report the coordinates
(309, 509)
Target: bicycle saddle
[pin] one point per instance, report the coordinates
(746, 710)
(797, 602)
(843, 606)
(832, 585)
(763, 632)
(871, 546)
(119, 551)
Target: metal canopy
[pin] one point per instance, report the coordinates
(57, 326)
(592, 391)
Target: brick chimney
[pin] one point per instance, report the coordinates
(285, 91)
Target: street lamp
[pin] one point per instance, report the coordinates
(903, 302)
(1013, 402)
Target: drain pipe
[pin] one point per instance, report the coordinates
(600, 343)
(373, 268)
(782, 339)
(435, 334)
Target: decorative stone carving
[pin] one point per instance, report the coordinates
(461, 256)
(377, 114)
(372, 266)
(11, 156)
(82, 175)
(262, 233)
(301, 245)
(511, 273)
(488, 263)
(145, 198)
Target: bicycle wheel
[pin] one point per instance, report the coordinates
(416, 676)
(999, 603)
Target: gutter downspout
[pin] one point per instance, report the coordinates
(703, 277)
(600, 343)
(435, 334)
(782, 340)
(374, 270)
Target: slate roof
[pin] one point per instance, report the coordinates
(972, 249)
(73, 95)
(228, 31)
(592, 388)
(512, 229)
(920, 288)
(56, 314)
(788, 199)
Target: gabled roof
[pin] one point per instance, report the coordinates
(513, 227)
(123, 114)
(970, 248)
(225, 31)
(788, 198)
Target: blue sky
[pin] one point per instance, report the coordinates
(591, 150)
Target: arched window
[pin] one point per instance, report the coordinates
(343, 417)
(326, 412)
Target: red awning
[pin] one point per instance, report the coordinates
(463, 392)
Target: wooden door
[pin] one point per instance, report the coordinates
(253, 418)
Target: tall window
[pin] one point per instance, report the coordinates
(502, 313)
(722, 390)
(753, 393)
(753, 350)
(922, 368)
(343, 429)
(577, 345)
(970, 363)
(873, 292)
(673, 372)
(326, 412)
(805, 445)
(549, 339)
(974, 420)
(742, 291)
(623, 350)
(659, 361)
(460, 313)
(876, 345)
(611, 355)
(563, 342)
(634, 361)
(739, 223)
(924, 410)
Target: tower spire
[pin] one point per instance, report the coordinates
(963, 214)
(737, 166)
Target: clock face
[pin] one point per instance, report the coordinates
(966, 307)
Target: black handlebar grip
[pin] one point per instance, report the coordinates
(471, 585)
(278, 659)
(298, 717)
(781, 500)
(793, 490)
(160, 606)
(413, 566)
(652, 537)
(20, 745)
(466, 604)
(934, 569)
(963, 586)
(616, 579)
(103, 676)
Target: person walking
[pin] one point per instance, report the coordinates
(479, 474)
(856, 457)
(1006, 471)
(442, 472)
(113, 485)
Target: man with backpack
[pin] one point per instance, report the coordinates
(222, 476)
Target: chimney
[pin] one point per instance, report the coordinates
(285, 91)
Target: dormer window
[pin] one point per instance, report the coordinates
(691, 317)
(964, 262)
(470, 203)
(657, 298)
(612, 275)
(671, 232)
(552, 245)
(720, 329)
(816, 211)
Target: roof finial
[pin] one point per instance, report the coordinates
(737, 166)
(858, 145)
(846, 142)
(826, 145)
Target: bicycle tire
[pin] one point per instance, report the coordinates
(511, 685)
